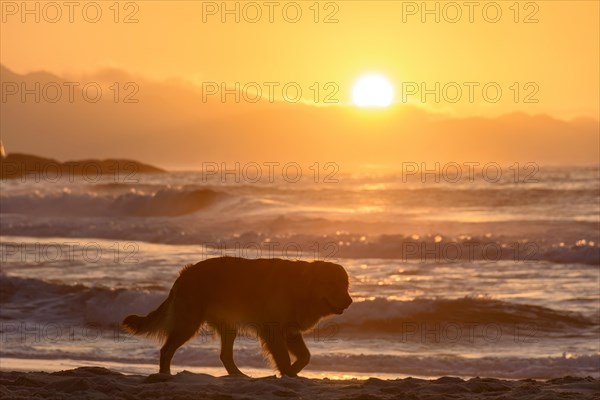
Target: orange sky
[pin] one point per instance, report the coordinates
(559, 53)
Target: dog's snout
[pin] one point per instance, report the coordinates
(348, 302)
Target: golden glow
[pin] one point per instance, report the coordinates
(373, 37)
(373, 90)
(454, 92)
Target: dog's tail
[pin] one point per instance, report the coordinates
(156, 324)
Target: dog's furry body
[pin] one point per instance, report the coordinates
(278, 299)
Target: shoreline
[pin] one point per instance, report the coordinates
(25, 365)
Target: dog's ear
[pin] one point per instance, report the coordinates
(321, 267)
(303, 280)
(330, 268)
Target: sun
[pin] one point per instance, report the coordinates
(372, 90)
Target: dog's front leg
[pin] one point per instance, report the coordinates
(275, 343)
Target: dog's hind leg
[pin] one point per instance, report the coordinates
(184, 327)
(228, 334)
(298, 348)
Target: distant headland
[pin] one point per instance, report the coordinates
(16, 165)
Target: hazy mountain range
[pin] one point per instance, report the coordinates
(171, 126)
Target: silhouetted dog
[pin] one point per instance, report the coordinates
(278, 299)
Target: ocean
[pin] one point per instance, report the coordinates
(454, 271)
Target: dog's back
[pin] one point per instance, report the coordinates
(237, 290)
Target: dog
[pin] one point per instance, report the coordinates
(278, 299)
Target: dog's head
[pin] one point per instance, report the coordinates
(330, 286)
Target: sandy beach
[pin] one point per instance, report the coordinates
(102, 383)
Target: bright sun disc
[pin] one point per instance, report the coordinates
(372, 91)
